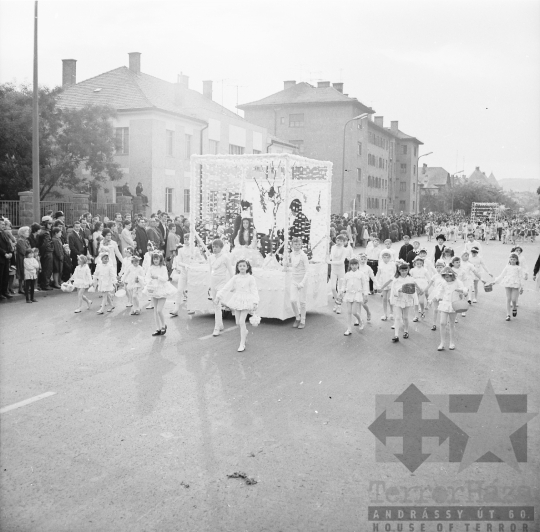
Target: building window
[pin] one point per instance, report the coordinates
(235, 150)
(404, 148)
(296, 120)
(403, 168)
(299, 144)
(213, 146)
(359, 149)
(358, 204)
(282, 120)
(359, 175)
(402, 205)
(413, 206)
(414, 169)
(169, 142)
(403, 186)
(122, 141)
(188, 146)
(414, 187)
(415, 151)
(256, 152)
(186, 199)
(169, 199)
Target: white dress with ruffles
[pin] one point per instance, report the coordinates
(160, 287)
(240, 292)
(82, 277)
(354, 286)
(510, 277)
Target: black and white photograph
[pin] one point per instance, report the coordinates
(282, 261)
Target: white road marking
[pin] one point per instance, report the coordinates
(26, 402)
(222, 332)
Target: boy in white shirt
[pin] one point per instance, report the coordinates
(338, 254)
(298, 265)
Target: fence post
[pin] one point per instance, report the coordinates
(26, 208)
(80, 205)
(125, 205)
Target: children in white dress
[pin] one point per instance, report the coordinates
(158, 287)
(353, 288)
(385, 273)
(241, 295)
(124, 271)
(367, 270)
(435, 282)
(105, 281)
(134, 281)
(298, 264)
(420, 273)
(82, 281)
(400, 299)
(476, 260)
(220, 272)
(512, 279)
(446, 294)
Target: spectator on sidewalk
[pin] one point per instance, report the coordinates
(77, 244)
(20, 253)
(58, 257)
(45, 247)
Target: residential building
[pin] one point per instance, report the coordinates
(433, 179)
(406, 194)
(159, 125)
(321, 122)
(478, 177)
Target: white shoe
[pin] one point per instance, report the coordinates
(338, 310)
(241, 348)
(335, 308)
(216, 332)
(391, 316)
(474, 300)
(463, 314)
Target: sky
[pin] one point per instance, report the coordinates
(461, 76)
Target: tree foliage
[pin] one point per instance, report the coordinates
(463, 196)
(69, 140)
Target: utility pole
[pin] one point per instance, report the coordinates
(35, 125)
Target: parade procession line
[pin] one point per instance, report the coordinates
(26, 402)
(234, 327)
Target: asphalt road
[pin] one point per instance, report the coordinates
(141, 433)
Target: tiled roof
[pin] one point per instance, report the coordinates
(434, 176)
(277, 140)
(478, 176)
(305, 93)
(123, 89)
(404, 136)
(492, 180)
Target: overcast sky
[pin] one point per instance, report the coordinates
(462, 76)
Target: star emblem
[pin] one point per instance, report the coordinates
(489, 430)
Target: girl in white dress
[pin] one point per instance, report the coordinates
(134, 281)
(220, 272)
(105, 281)
(241, 295)
(469, 276)
(435, 282)
(82, 280)
(446, 295)
(158, 287)
(385, 274)
(246, 244)
(127, 265)
(420, 273)
(512, 279)
(476, 260)
(401, 300)
(353, 289)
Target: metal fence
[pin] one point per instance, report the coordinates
(10, 209)
(104, 209)
(55, 206)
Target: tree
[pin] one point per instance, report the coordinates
(463, 195)
(69, 140)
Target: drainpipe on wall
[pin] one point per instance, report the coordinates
(200, 169)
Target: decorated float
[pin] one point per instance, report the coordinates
(256, 204)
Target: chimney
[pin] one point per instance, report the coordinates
(183, 80)
(69, 72)
(323, 84)
(135, 62)
(207, 89)
(379, 121)
(338, 87)
(289, 84)
(478, 168)
(394, 125)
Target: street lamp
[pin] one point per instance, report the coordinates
(417, 193)
(343, 160)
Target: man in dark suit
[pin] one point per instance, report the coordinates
(141, 238)
(405, 248)
(162, 227)
(411, 255)
(77, 245)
